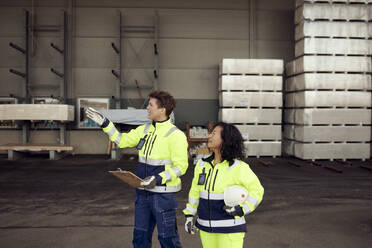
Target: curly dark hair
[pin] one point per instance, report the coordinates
(164, 100)
(232, 142)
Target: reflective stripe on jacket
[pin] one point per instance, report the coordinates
(164, 152)
(207, 200)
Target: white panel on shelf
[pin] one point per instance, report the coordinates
(50, 112)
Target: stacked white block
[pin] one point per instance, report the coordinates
(328, 92)
(250, 95)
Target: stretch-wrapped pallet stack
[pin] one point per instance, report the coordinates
(250, 96)
(328, 90)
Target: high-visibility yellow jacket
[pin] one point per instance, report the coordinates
(206, 199)
(163, 154)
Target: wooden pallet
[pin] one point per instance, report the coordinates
(328, 29)
(329, 46)
(329, 64)
(16, 151)
(250, 83)
(328, 81)
(328, 99)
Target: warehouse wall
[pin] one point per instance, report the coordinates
(193, 37)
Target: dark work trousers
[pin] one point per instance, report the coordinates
(155, 209)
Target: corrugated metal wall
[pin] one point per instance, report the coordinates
(193, 37)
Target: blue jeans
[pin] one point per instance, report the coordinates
(155, 209)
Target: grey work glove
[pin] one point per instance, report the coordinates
(234, 211)
(189, 225)
(149, 182)
(95, 116)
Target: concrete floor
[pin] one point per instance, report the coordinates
(75, 202)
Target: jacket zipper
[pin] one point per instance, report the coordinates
(148, 150)
(209, 206)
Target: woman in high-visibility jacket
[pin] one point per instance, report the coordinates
(221, 225)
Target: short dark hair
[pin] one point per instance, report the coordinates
(164, 100)
(232, 142)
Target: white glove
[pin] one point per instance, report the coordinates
(149, 182)
(95, 116)
(189, 225)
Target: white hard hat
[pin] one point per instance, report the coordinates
(234, 195)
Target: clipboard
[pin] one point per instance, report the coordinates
(128, 177)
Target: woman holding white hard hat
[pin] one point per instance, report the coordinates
(223, 190)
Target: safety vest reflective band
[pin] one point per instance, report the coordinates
(212, 196)
(193, 201)
(222, 223)
(111, 132)
(236, 162)
(164, 189)
(118, 138)
(252, 200)
(191, 210)
(154, 162)
(247, 209)
(170, 131)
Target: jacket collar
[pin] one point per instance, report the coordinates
(161, 123)
(210, 158)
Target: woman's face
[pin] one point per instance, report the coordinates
(215, 139)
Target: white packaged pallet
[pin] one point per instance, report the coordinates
(260, 132)
(328, 99)
(333, 46)
(252, 66)
(327, 11)
(330, 150)
(316, 116)
(258, 149)
(329, 64)
(301, 2)
(250, 82)
(251, 99)
(327, 133)
(332, 29)
(243, 115)
(326, 81)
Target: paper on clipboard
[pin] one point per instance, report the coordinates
(128, 177)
